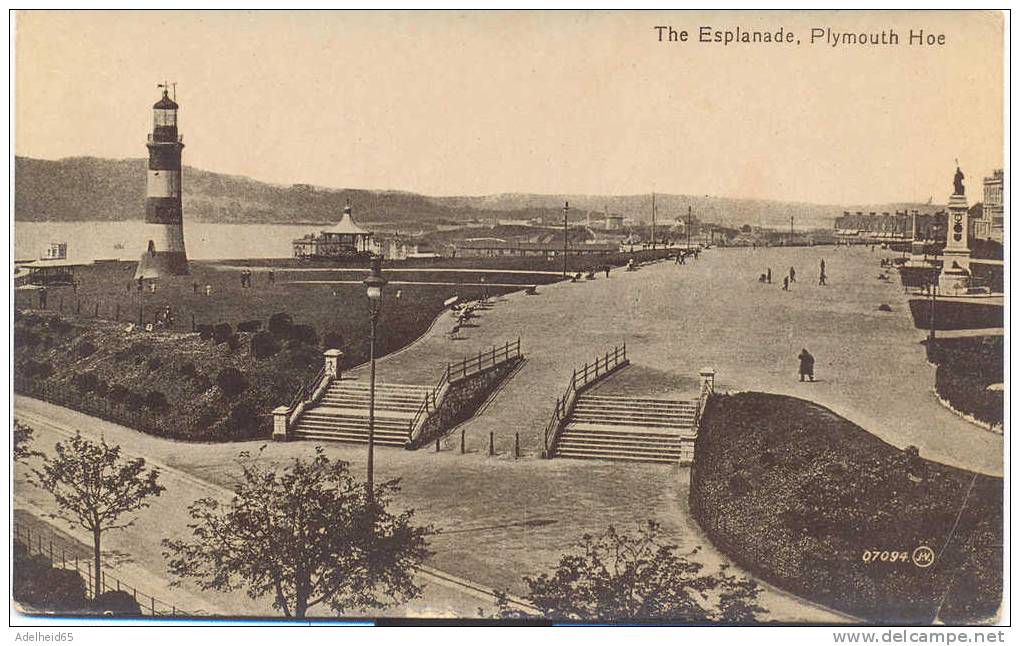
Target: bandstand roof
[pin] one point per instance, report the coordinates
(347, 226)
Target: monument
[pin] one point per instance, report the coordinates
(955, 277)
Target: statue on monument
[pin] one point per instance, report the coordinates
(958, 182)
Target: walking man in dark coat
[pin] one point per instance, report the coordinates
(793, 275)
(768, 275)
(807, 365)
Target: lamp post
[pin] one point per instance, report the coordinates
(934, 283)
(141, 295)
(566, 209)
(374, 289)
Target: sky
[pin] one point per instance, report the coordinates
(453, 103)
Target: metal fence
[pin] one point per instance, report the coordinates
(97, 406)
(62, 556)
(581, 380)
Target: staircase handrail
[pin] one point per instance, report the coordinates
(307, 388)
(706, 391)
(580, 381)
(485, 360)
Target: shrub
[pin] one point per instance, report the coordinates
(243, 419)
(739, 485)
(25, 338)
(264, 345)
(116, 602)
(234, 342)
(332, 340)
(101, 387)
(156, 402)
(300, 355)
(187, 369)
(154, 362)
(205, 332)
(134, 401)
(38, 584)
(84, 349)
(201, 382)
(280, 324)
(249, 326)
(231, 382)
(139, 348)
(968, 393)
(222, 332)
(118, 393)
(59, 326)
(207, 420)
(85, 381)
(304, 334)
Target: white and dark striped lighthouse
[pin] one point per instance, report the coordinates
(164, 253)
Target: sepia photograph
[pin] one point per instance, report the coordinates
(509, 318)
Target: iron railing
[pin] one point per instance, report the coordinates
(63, 556)
(484, 360)
(580, 381)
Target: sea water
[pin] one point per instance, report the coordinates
(87, 241)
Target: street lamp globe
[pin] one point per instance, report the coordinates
(375, 282)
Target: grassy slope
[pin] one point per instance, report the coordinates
(340, 309)
(797, 494)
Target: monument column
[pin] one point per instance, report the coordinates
(955, 277)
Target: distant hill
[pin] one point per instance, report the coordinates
(93, 189)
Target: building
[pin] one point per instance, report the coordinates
(874, 228)
(402, 248)
(990, 224)
(345, 240)
(55, 251)
(164, 253)
(493, 247)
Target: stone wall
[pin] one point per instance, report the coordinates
(462, 400)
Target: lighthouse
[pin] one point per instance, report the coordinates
(164, 253)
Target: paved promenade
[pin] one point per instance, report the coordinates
(501, 519)
(870, 366)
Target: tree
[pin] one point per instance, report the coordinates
(94, 487)
(22, 435)
(619, 577)
(306, 534)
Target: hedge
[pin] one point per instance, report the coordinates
(803, 517)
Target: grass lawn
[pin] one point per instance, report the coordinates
(179, 366)
(811, 502)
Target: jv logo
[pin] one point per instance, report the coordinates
(923, 556)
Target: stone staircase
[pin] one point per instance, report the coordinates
(342, 413)
(630, 428)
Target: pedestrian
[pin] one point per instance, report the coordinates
(208, 290)
(793, 275)
(42, 298)
(768, 275)
(152, 287)
(807, 365)
(821, 265)
(194, 287)
(786, 283)
(607, 271)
